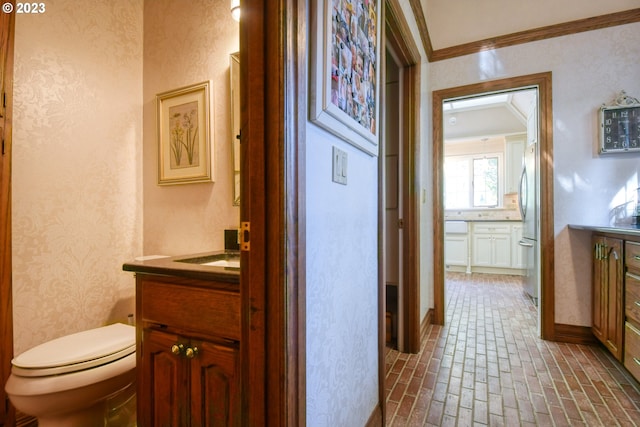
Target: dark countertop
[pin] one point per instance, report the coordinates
(623, 229)
(192, 269)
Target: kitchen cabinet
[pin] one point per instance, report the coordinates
(608, 321)
(513, 165)
(632, 308)
(491, 245)
(188, 353)
(456, 249)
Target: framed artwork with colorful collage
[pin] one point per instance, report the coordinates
(345, 72)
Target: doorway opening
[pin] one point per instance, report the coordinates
(491, 198)
(398, 162)
(542, 82)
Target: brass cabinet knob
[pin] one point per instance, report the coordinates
(177, 349)
(191, 352)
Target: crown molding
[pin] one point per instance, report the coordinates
(541, 33)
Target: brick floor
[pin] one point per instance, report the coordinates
(486, 366)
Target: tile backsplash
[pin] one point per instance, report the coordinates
(509, 212)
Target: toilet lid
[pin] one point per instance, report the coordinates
(79, 351)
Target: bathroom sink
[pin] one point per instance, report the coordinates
(232, 263)
(225, 260)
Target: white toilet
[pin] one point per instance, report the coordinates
(68, 381)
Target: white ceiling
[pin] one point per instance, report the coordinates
(496, 116)
(455, 22)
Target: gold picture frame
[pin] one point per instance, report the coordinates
(184, 135)
(345, 70)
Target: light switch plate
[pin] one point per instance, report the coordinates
(339, 166)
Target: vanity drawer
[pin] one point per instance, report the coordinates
(190, 308)
(632, 350)
(632, 257)
(632, 296)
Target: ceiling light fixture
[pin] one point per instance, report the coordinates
(235, 9)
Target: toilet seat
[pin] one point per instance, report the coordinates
(77, 352)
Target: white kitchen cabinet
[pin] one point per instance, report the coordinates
(518, 259)
(491, 245)
(456, 249)
(513, 165)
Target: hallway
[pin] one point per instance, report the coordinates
(486, 367)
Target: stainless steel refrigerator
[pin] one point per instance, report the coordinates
(529, 203)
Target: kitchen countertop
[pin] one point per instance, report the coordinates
(191, 269)
(624, 229)
(483, 220)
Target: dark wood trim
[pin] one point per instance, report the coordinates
(7, 33)
(438, 207)
(293, 159)
(398, 39)
(399, 35)
(254, 275)
(547, 233)
(545, 141)
(376, 418)
(574, 334)
(273, 110)
(426, 322)
(557, 30)
(411, 201)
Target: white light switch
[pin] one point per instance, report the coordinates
(339, 166)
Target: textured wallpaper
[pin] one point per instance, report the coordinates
(85, 84)
(589, 69)
(182, 46)
(77, 157)
(342, 285)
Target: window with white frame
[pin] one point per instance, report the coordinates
(472, 181)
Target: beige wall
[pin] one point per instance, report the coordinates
(183, 46)
(82, 102)
(77, 182)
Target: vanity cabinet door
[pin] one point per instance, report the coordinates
(188, 382)
(215, 396)
(164, 382)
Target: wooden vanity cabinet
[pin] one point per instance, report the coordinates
(632, 309)
(608, 275)
(188, 352)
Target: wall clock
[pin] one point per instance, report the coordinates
(620, 125)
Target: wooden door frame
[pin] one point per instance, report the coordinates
(7, 413)
(397, 38)
(273, 81)
(545, 141)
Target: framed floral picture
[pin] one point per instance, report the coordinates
(184, 135)
(345, 70)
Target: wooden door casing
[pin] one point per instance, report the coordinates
(7, 34)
